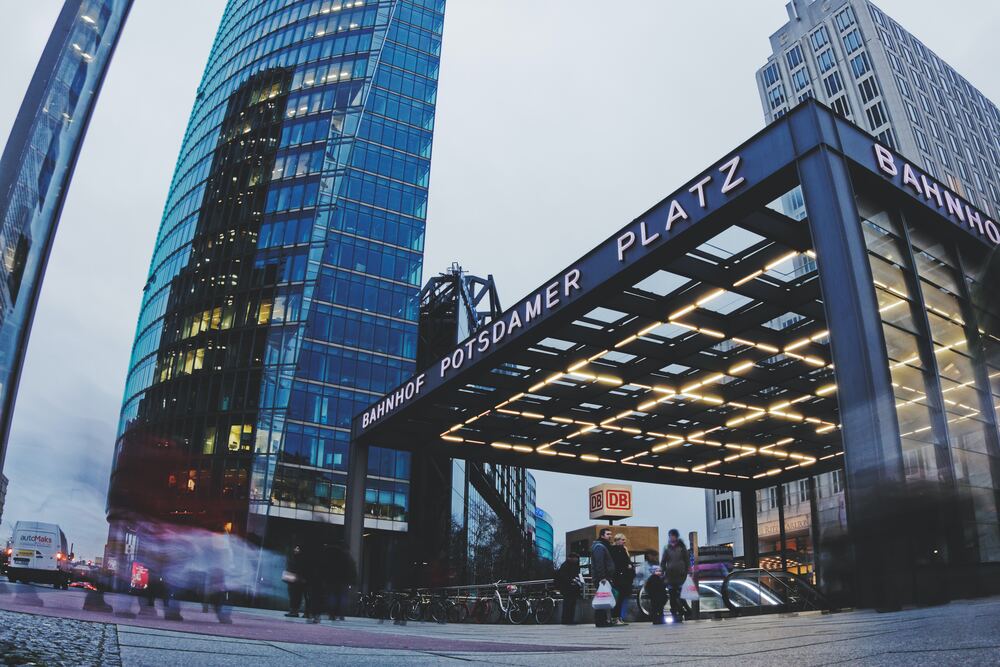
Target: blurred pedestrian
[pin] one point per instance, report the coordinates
(624, 577)
(602, 569)
(675, 565)
(294, 577)
(656, 593)
(316, 581)
(569, 583)
(343, 573)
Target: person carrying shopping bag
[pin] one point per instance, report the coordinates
(675, 566)
(602, 573)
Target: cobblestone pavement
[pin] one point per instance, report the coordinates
(28, 639)
(965, 632)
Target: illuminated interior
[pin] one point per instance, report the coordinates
(716, 365)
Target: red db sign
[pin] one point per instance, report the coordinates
(609, 501)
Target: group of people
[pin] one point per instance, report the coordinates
(611, 563)
(319, 580)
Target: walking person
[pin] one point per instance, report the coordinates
(602, 569)
(316, 580)
(343, 575)
(570, 585)
(294, 577)
(675, 565)
(656, 592)
(624, 578)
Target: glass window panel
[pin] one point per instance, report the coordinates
(954, 365)
(967, 433)
(901, 346)
(972, 468)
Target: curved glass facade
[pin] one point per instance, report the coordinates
(281, 294)
(37, 166)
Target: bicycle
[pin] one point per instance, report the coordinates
(513, 606)
(542, 609)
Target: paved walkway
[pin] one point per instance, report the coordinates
(963, 632)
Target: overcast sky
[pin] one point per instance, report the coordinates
(558, 121)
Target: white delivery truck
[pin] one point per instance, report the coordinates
(38, 554)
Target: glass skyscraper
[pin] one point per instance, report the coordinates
(37, 166)
(281, 297)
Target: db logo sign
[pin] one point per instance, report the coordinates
(596, 501)
(609, 501)
(619, 500)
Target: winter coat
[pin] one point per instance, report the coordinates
(656, 589)
(566, 578)
(602, 565)
(675, 563)
(624, 568)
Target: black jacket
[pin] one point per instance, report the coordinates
(656, 588)
(566, 578)
(624, 569)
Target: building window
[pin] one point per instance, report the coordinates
(844, 19)
(869, 90)
(903, 86)
(770, 75)
(896, 65)
(776, 97)
(819, 39)
(860, 65)
(943, 155)
(921, 140)
(935, 130)
(793, 57)
(833, 84)
(852, 41)
(803, 490)
(887, 138)
(724, 509)
(911, 111)
(877, 117)
(837, 481)
(800, 79)
(842, 106)
(825, 61)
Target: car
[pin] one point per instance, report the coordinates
(85, 585)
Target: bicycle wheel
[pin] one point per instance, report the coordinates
(396, 610)
(519, 611)
(483, 611)
(544, 608)
(413, 610)
(437, 612)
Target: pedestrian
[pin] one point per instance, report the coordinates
(570, 584)
(316, 580)
(294, 577)
(624, 577)
(675, 565)
(602, 569)
(343, 575)
(656, 593)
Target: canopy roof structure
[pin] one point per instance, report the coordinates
(692, 347)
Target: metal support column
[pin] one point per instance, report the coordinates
(782, 557)
(814, 536)
(748, 513)
(873, 466)
(354, 512)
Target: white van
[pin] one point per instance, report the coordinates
(38, 554)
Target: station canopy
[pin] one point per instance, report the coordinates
(689, 348)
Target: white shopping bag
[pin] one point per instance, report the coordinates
(603, 598)
(689, 590)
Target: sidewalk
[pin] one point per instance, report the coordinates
(964, 632)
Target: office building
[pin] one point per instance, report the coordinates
(544, 535)
(474, 520)
(37, 166)
(281, 296)
(854, 58)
